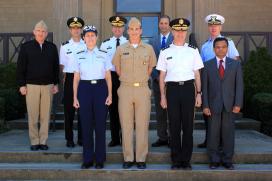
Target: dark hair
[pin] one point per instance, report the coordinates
(165, 16)
(220, 39)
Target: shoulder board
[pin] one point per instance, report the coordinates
(228, 38)
(80, 52)
(165, 47)
(192, 46)
(64, 43)
(102, 51)
(106, 40)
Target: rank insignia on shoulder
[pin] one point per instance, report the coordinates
(106, 40)
(168, 58)
(102, 51)
(165, 47)
(126, 53)
(64, 43)
(109, 48)
(192, 46)
(81, 51)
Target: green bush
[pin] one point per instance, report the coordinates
(8, 76)
(2, 112)
(257, 77)
(14, 104)
(263, 111)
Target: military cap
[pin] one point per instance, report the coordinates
(75, 22)
(215, 19)
(117, 21)
(180, 24)
(89, 28)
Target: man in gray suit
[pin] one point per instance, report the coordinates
(222, 87)
(162, 41)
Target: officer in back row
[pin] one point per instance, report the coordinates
(179, 66)
(67, 52)
(110, 45)
(215, 23)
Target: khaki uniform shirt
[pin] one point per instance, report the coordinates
(134, 62)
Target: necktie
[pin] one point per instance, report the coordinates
(221, 69)
(117, 42)
(163, 43)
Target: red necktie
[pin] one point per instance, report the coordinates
(221, 69)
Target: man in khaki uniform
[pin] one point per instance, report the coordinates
(134, 61)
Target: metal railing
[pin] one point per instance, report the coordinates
(248, 41)
(10, 44)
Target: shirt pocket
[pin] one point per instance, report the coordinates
(126, 62)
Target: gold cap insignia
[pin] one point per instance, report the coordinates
(75, 19)
(181, 21)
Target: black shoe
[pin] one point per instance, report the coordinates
(34, 147)
(159, 143)
(127, 165)
(44, 147)
(79, 143)
(228, 166)
(141, 165)
(114, 143)
(186, 166)
(214, 165)
(70, 144)
(86, 165)
(202, 145)
(175, 166)
(99, 165)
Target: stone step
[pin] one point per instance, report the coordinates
(154, 172)
(70, 156)
(244, 123)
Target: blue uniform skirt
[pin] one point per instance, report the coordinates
(93, 113)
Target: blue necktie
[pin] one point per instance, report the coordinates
(163, 43)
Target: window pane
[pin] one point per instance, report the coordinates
(138, 6)
(150, 26)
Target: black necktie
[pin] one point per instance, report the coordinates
(117, 42)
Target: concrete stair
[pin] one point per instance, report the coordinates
(253, 160)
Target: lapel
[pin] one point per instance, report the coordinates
(169, 39)
(227, 67)
(215, 68)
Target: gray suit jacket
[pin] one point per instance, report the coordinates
(222, 93)
(156, 44)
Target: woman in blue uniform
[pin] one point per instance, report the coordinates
(92, 93)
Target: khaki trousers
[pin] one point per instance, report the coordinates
(38, 101)
(134, 109)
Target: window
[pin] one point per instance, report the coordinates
(147, 11)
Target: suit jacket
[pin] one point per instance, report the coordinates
(156, 44)
(222, 93)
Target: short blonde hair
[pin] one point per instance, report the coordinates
(41, 24)
(134, 21)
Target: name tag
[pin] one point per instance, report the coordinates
(82, 58)
(68, 52)
(99, 57)
(168, 58)
(126, 53)
(109, 48)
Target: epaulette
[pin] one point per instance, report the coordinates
(165, 47)
(106, 40)
(64, 43)
(228, 38)
(80, 51)
(192, 46)
(102, 51)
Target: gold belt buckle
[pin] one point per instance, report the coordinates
(136, 84)
(93, 81)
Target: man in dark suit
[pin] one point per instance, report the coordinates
(222, 87)
(163, 40)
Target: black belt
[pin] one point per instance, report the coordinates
(179, 83)
(98, 81)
